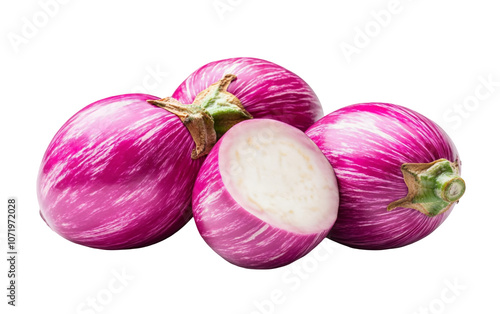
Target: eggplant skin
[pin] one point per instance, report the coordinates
(118, 175)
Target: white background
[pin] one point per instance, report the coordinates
(430, 56)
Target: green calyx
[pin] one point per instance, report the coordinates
(432, 187)
(225, 108)
(212, 113)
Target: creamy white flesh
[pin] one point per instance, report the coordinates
(275, 172)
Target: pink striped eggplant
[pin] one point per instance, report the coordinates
(222, 93)
(398, 174)
(265, 89)
(265, 196)
(118, 175)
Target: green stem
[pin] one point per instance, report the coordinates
(225, 108)
(432, 187)
(212, 113)
(198, 122)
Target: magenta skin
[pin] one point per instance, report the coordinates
(235, 234)
(118, 175)
(265, 89)
(366, 144)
